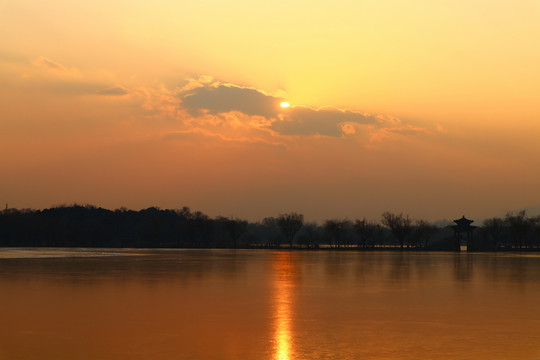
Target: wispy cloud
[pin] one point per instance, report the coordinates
(401, 129)
(66, 80)
(48, 64)
(197, 134)
(113, 91)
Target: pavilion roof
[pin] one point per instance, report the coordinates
(463, 221)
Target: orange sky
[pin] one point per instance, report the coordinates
(425, 107)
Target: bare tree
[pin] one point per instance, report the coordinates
(309, 235)
(289, 224)
(400, 226)
(494, 229)
(423, 231)
(519, 225)
(336, 228)
(235, 228)
(365, 230)
(536, 231)
(272, 234)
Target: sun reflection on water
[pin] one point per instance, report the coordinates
(283, 313)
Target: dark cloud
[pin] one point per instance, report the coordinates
(226, 98)
(218, 98)
(325, 121)
(113, 91)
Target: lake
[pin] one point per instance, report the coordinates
(264, 304)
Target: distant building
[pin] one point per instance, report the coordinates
(463, 230)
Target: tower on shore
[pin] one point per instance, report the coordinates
(463, 230)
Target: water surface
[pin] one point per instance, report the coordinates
(262, 304)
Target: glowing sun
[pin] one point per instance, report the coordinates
(285, 104)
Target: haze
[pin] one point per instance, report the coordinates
(425, 107)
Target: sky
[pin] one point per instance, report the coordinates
(430, 108)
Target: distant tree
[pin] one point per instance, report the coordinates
(235, 228)
(309, 235)
(536, 231)
(400, 226)
(365, 230)
(519, 225)
(270, 222)
(494, 230)
(336, 228)
(289, 224)
(199, 228)
(272, 233)
(184, 212)
(422, 233)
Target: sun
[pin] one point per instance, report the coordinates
(285, 104)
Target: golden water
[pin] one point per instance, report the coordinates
(218, 304)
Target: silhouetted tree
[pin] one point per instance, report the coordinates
(272, 233)
(336, 229)
(91, 226)
(519, 225)
(365, 230)
(399, 224)
(536, 231)
(494, 229)
(235, 228)
(310, 235)
(199, 225)
(422, 233)
(289, 224)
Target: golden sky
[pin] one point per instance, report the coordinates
(426, 107)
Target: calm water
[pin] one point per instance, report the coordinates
(214, 304)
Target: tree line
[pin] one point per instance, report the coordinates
(516, 230)
(90, 226)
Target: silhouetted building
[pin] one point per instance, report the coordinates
(463, 230)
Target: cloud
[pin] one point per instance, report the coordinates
(206, 102)
(327, 121)
(55, 77)
(113, 91)
(48, 64)
(82, 87)
(198, 134)
(222, 98)
(204, 96)
(408, 130)
(391, 132)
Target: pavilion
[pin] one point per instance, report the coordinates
(463, 230)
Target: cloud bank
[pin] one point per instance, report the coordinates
(204, 96)
(226, 98)
(328, 121)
